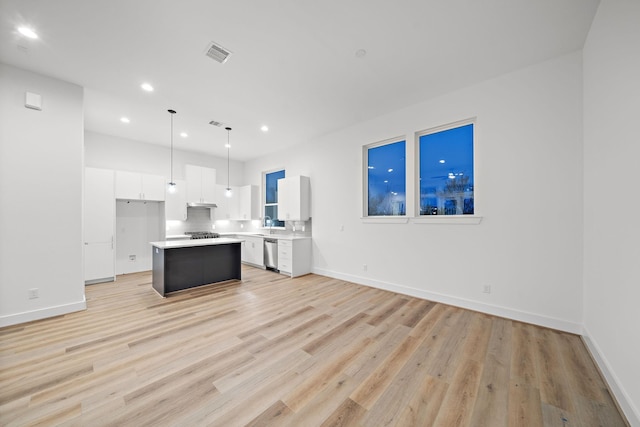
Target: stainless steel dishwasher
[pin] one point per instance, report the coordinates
(271, 254)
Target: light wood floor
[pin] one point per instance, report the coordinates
(311, 351)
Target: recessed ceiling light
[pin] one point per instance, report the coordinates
(147, 87)
(184, 134)
(389, 170)
(28, 32)
(264, 128)
(442, 161)
(125, 119)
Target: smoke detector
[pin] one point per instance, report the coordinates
(217, 52)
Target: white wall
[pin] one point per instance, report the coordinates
(110, 152)
(40, 197)
(611, 233)
(528, 188)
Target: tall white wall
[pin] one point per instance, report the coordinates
(612, 201)
(110, 152)
(528, 176)
(41, 158)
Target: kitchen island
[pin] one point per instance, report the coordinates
(183, 264)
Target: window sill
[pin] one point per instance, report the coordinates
(385, 219)
(447, 219)
(427, 219)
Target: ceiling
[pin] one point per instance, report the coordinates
(294, 65)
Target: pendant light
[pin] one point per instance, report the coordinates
(171, 187)
(229, 192)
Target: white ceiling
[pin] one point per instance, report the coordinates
(293, 66)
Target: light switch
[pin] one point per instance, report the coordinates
(33, 101)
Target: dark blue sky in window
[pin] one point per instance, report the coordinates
(444, 155)
(383, 159)
(386, 176)
(271, 191)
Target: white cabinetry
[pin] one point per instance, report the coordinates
(227, 206)
(201, 184)
(248, 203)
(294, 257)
(293, 198)
(99, 225)
(244, 203)
(175, 207)
(253, 250)
(139, 186)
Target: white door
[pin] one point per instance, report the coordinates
(128, 185)
(209, 185)
(99, 223)
(98, 262)
(176, 203)
(153, 187)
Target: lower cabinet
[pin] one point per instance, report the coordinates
(253, 251)
(294, 257)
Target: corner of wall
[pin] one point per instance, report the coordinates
(622, 398)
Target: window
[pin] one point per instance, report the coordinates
(446, 170)
(386, 178)
(271, 199)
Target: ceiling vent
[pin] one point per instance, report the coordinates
(218, 53)
(213, 122)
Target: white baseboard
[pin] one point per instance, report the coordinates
(29, 316)
(522, 316)
(624, 401)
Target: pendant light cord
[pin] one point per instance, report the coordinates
(172, 112)
(228, 161)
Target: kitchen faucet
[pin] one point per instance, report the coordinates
(268, 218)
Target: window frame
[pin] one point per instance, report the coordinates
(264, 199)
(365, 182)
(445, 219)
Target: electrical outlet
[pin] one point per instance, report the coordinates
(33, 293)
(487, 289)
(364, 267)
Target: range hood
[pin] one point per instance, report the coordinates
(201, 205)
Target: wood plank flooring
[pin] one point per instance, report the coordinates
(310, 351)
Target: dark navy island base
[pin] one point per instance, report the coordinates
(188, 266)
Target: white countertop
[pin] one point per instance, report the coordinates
(171, 244)
(266, 235)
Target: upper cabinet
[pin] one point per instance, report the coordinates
(242, 205)
(201, 184)
(139, 186)
(248, 203)
(175, 207)
(227, 206)
(293, 198)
